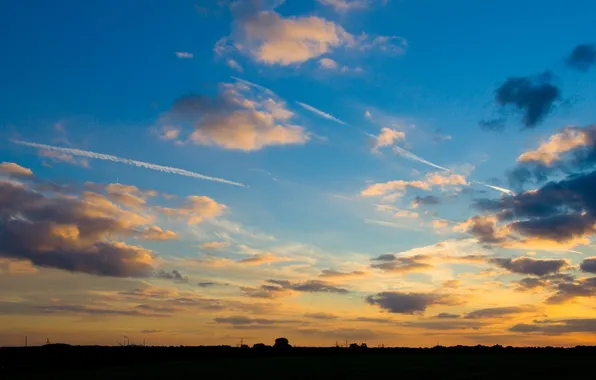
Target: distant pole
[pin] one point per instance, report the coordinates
(25, 340)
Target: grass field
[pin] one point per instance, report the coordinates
(364, 366)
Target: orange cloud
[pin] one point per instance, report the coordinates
(14, 169)
(558, 144)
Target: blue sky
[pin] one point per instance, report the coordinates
(165, 83)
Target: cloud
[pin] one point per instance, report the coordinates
(234, 65)
(406, 303)
(569, 149)
(62, 157)
(213, 245)
(271, 39)
(446, 316)
(394, 264)
(184, 55)
(425, 200)
(328, 63)
(329, 273)
(71, 234)
(443, 179)
(195, 209)
(558, 144)
(157, 233)
(261, 258)
(237, 118)
(322, 316)
(310, 286)
(583, 57)
(392, 45)
(141, 164)
(567, 291)
(530, 266)
(390, 224)
(169, 132)
(388, 137)
(557, 327)
(496, 125)
(346, 5)
(241, 321)
(588, 265)
(10, 168)
(393, 187)
(533, 96)
(497, 312)
(316, 111)
(82, 309)
(559, 213)
(173, 275)
(445, 325)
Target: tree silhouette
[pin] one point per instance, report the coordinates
(282, 343)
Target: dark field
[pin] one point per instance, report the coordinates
(296, 363)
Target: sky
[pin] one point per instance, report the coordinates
(396, 172)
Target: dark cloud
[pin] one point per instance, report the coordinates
(241, 320)
(406, 303)
(567, 291)
(446, 316)
(372, 320)
(533, 96)
(334, 273)
(310, 286)
(536, 168)
(583, 57)
(206, 284)
(426, 200)
(497, 125)
(564, 326)
(392, 263)
(531, 283)
(70, 233)
(588, 265)
(81, 309)
(324, 316)
(445, 325)
(173, 275)
(496, 312)
(530, 266)
(484, 229)
(560, 210)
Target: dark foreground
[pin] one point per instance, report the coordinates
(296, 363)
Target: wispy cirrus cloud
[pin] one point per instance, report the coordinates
(184, 55)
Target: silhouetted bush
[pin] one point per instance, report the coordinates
(282, 343)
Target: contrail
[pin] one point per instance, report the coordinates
(140, 164)
(320, 113)
(501, 189)
(404, 153)
(251, 84)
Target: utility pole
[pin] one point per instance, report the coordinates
(25, 340)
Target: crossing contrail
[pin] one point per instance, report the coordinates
(140, 164)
